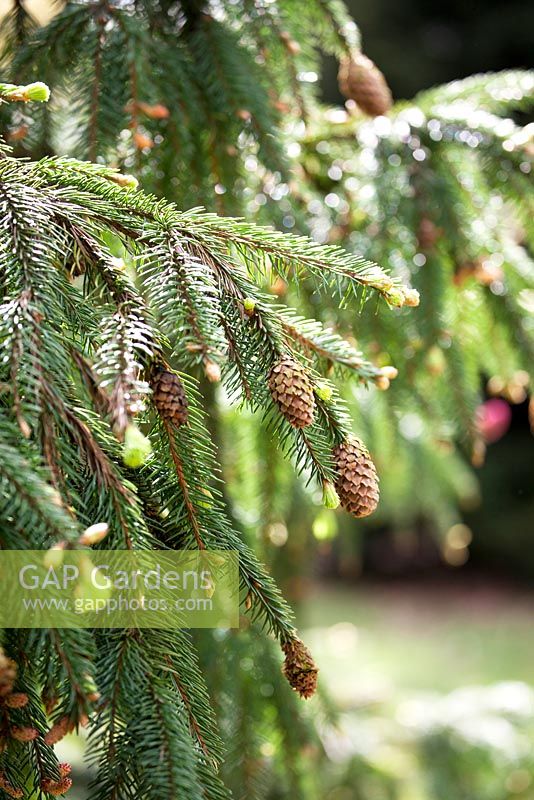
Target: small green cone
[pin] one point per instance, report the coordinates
(330, 496)
(136, 449)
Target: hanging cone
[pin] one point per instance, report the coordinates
(169, 396)
(299, 668)
(356, 481)
(360, 80)
(292, 391)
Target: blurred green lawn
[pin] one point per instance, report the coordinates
(377, 639)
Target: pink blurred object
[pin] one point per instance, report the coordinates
(493, 419)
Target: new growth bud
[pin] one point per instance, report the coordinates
(55, 555)
(396, 297)
(25, 734)
(136, 448)
(330, 496)
(124, 181)
(411, 297)
(212, 371)
(249, 305)
(38, 92)
(16, 700)
(389, 372)
(94, 534)
(324, 392)
(382, 383)
(59, 730)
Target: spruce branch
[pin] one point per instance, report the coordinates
(28, 499)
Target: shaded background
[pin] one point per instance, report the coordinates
(417, 45)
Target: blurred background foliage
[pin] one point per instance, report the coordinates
(420, 618)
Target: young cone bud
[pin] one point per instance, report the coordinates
(24, 734)
(18, 134)
(249, 306)
(38, 92)
(299, 668)
(382, 383)
(324, 392)
(169, 396)
(137, 447)
(212, 371)
(55, 556)
(411, 297)
(8, 788)
(357, 481)
(427, 233)
(156, 111)
(59, 730)
(292, 391)
(56, 788)
(124, 181)
(396, 297)
(8, 674)
(361, 80)
(390, 372)
(290, 44)
(330, 496)
(142, 141)
(94, 534)
(16, 700)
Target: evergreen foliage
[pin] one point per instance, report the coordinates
(216, 105)
(83, 332)
(439, 191)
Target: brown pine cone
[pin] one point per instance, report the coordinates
(360, 80)
(169, 396)
(292, 391)
(356, 478)
(299, 668)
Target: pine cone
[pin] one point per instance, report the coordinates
(356, 481)
(299, 668)
(292, 390)
(360, 80)
(169, 396)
